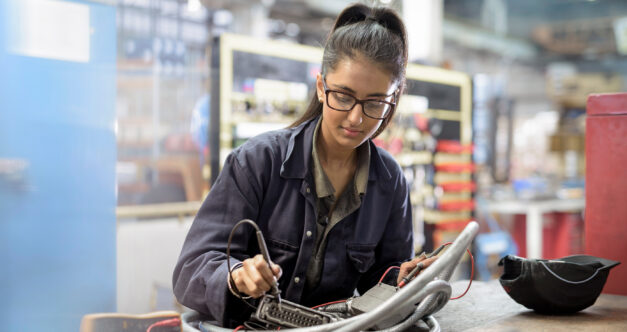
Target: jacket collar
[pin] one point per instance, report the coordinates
(379, 169)
(297, 162)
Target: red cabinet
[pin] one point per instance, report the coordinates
(606, 184)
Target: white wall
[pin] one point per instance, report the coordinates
(147, 251)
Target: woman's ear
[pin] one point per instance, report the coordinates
(319, 88)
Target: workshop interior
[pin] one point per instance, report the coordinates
(116, 117)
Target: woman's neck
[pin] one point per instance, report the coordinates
(333, 157)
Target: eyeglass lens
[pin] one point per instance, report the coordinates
(345, 102)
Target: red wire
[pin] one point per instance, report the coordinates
(472, 275)
(328, 303)
(388, 270)
(238, 328)
(472, 272)
(167, 322)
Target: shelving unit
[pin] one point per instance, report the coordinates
(161, 71)
(431, 138)
(257, 79)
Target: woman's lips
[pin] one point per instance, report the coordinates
(351, 132)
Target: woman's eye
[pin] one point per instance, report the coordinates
(344, 98)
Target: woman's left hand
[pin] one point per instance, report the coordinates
(407, 267)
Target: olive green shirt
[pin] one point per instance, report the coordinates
(330, 211)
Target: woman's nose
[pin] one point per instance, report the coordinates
(355, 116)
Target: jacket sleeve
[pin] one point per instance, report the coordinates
(396, 245)
(200, 275)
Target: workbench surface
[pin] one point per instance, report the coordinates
(486, 307)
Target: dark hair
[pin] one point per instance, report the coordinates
(376, 33)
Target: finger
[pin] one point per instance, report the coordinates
(419, 258)
(240, 279)
(256, 271)
(250, 288)
(277, 270)
(408, 266)
(427, 262)
(414, 262)
(404, 270)
(255, 282)
(265, 272)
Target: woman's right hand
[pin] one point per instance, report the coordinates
(255, 278)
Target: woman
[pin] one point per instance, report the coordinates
(334, 209)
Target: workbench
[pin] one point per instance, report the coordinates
(486, 307)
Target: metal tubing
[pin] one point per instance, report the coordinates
(440, 267)
(432, 323)
(391, 305)
(430, 304)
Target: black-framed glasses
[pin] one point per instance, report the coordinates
(344, 102)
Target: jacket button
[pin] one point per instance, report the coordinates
(308, 190)
(308, 233)
(297, 280)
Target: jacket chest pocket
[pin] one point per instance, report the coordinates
(283, 254)
(361, 255)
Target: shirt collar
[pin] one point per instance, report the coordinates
(363, 168)
(298, 159)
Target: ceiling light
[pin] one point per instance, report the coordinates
(193, 5)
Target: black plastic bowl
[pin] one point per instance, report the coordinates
(559, 286)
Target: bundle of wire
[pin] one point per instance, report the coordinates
(431, 288)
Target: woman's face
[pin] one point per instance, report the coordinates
(363, 80)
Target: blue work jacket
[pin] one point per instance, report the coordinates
(269, 179)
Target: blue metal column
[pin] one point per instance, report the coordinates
(57, 178)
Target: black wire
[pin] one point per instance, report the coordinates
(228, 255)
(437, 251)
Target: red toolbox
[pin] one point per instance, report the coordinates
(606, 184)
